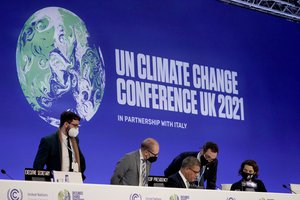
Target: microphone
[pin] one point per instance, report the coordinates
(288, 188)
(248, 186)
(4, 172)
(194, 186)
(251, 185)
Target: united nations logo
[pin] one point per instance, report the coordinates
(64, 195)
(135, 197)
(57, 68)
(14, 194)
(174, 197)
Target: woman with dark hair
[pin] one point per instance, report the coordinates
(249, 182)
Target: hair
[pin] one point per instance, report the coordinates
(250, 163)
(148, 143)
(189, 162)
(68, 116)
(212, 146)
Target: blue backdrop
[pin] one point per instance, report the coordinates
(262, 49)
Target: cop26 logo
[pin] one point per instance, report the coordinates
(57, 67)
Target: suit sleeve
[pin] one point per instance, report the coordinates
(82, 160)
(120, 171)
(236, 186)
(42, 154)
(174, 166)
(212, 176)
(261, 186)
(172, 183)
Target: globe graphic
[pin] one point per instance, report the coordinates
(64, 195)
(174, 197)
(57, 68)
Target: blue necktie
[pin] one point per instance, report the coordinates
(201, 176)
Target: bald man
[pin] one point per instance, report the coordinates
(134, 167)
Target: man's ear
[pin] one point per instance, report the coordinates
(66, 124)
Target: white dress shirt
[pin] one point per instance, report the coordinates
(65, 154)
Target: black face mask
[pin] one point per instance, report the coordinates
(152, 159)
(247, 176)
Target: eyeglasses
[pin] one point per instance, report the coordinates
(196, 172)
(152, 153)
(75, 125)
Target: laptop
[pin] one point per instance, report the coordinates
(67, 177)
(295, 188)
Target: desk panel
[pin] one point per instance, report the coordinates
(32, 190)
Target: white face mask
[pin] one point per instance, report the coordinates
(73, 132)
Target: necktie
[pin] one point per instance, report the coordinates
(70, 154)
(201, 176)
(144, 173)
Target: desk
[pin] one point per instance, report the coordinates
(31, 190)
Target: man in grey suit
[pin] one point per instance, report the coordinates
(134, 167)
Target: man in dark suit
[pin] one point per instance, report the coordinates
(60, 151)
(187, 174)
(209, 165)
(134, 167)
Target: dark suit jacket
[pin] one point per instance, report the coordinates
(127, 171)
(210, 175)
(175, 181)
(260, 186)
(49, 154)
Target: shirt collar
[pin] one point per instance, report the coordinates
(198, 156)
(64, 137)
(141, 155)
(183, 178)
